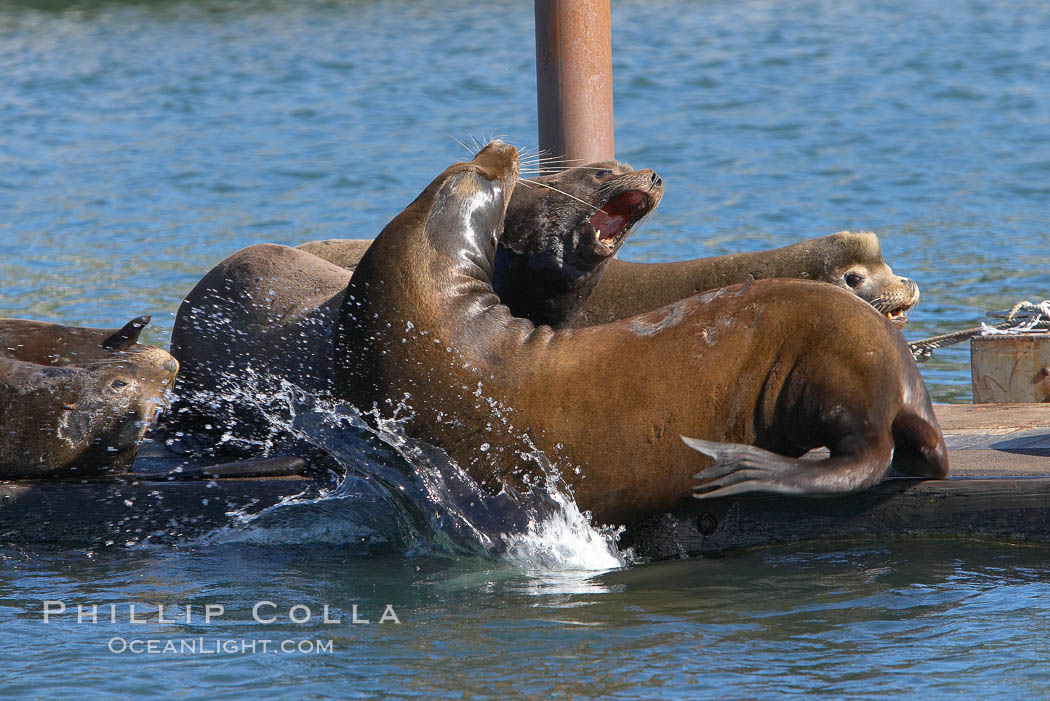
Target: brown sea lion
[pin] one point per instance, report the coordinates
(549, 221)
(851, 260)
(561, 231)
(266, 314)
(781, 365)
(76, 401)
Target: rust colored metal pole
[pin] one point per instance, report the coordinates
(574, 90)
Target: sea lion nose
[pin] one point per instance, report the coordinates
(913, 289)
(171, 365)
(655, 180)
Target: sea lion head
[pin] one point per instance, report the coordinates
(90, 415)
(469, 199)
(111, 403)
(560, 232)
(857, 266)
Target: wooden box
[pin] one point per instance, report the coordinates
(1010, 368)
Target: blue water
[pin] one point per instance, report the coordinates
(140, 143)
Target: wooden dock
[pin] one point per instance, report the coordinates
(999, 488)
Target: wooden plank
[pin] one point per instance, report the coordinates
(1017, 510)
(164, 498)
(100, 512)
(955, 418)
(1000, 487)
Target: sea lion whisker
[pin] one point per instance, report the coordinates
(458, 141)
(538, 160)
(551, 187)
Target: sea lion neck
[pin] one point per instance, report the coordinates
(437, 256)
(459, 216)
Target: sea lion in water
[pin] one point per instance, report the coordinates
(782, 365)
(267, 313)
(76, 401)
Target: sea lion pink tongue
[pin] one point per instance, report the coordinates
(781, 365)
(561, 231)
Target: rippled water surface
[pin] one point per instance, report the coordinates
(944, 619)
(140, 143)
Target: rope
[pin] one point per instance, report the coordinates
(1023, 317)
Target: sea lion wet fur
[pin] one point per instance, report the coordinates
(265, 315)
(76, 401)
(781, 365)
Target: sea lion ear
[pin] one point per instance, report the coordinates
(127, 336)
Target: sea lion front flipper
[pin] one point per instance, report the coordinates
(128, 335)
(746, 468)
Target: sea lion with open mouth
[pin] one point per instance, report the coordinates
(76, 401)
(266, 314)
(561, 232)
(760, 373)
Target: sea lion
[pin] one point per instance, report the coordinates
(76, 401)
(552, 215)
(561, 231)
(266, 314)
(850, 260)
(781, 365)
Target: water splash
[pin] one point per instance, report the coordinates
(404, 495)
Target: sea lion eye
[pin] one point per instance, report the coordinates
(602, 174)
(117, 384)
(854, 279)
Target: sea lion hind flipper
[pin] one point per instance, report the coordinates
(919, 448)
(128, 335)
(741, 468)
